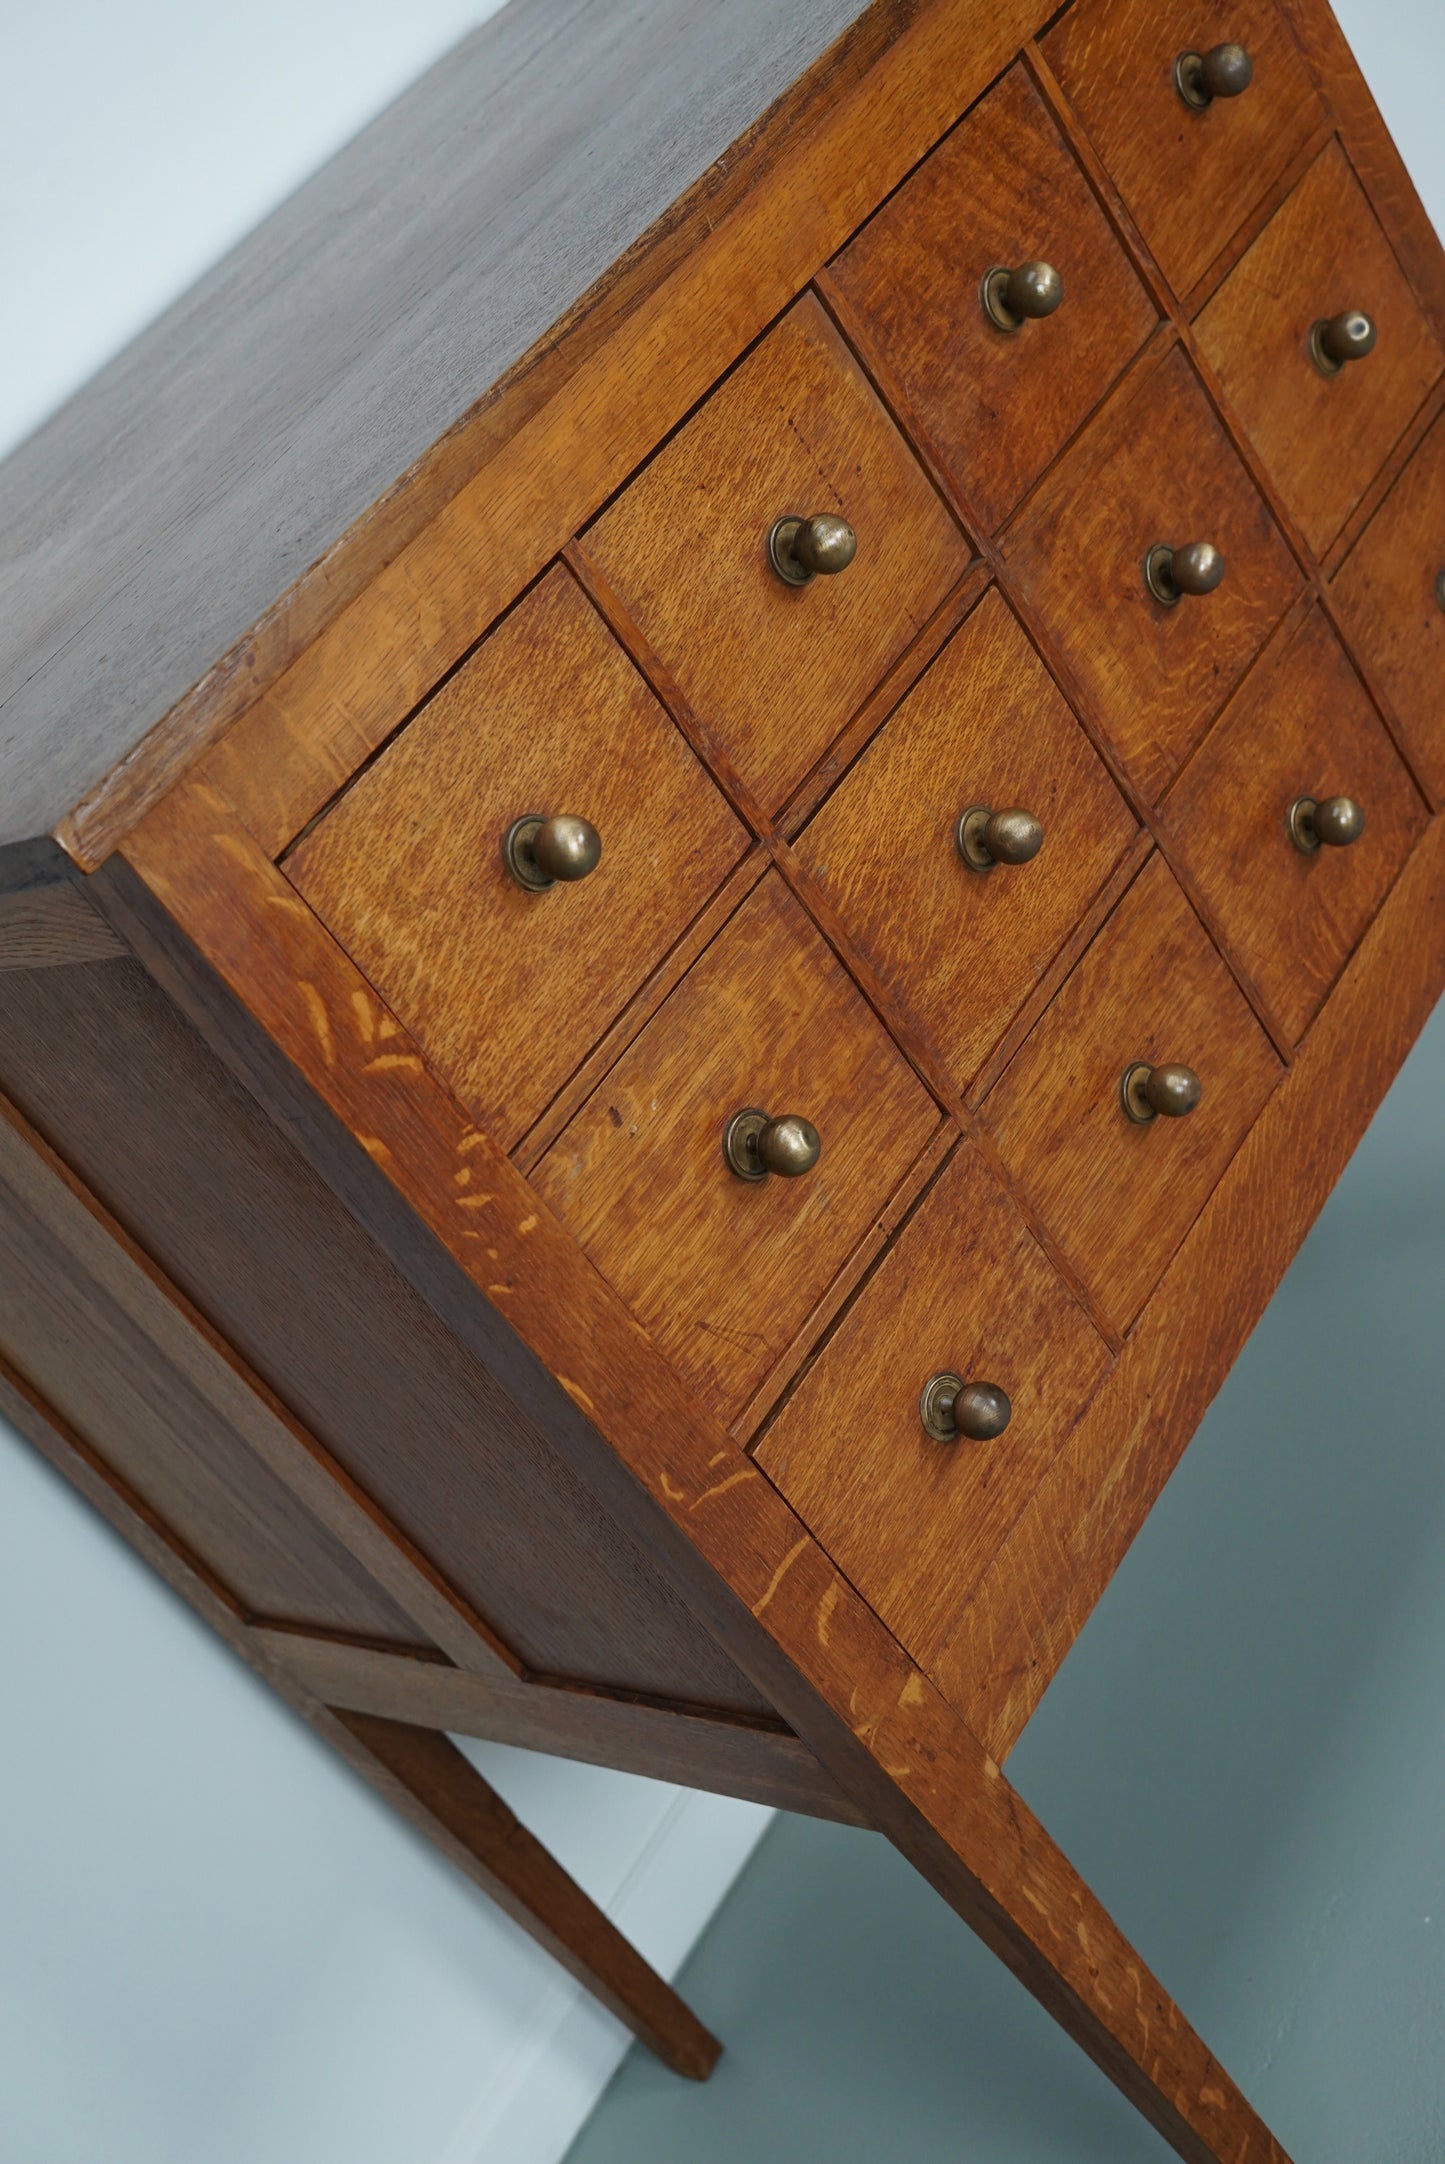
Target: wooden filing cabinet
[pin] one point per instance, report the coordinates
(643, 1123)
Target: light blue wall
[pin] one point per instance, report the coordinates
(1244, 1754)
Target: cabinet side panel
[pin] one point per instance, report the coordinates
(120, 1085)
(84, 1327)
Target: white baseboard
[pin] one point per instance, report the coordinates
(538, 2094)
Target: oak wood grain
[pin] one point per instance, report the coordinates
(1120, 1197)
(657, 1739)
(537, 465)
(963, 1287)
(655, 1455)
(1155, 466)
(961, 951)
(461, 1486)
(506, 990)
(1190, 179)
(91, 1331)
(1303, 725)
(719, 1270)
(995, 408)
(771, 672)
(1387, 596)
(1322, 437)
(51, 927)
(1372, 152)
(1067, 1544)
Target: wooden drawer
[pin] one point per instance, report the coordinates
(1120, 1197)
(1302, 725)
(771, 671)
(1390, 597)
(1189, 177)
(723, 1271)
(1155, 467)
(1322, 438)
(961, 951)
(965, 1288)
(995, 406)
(505, 989)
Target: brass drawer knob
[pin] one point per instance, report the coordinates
(800, 548)
(1332, 822)
(1337, 339)
(755, 1145)
(540, 851)
(1170, 573)
(1225, 71)
(1151, 1092)
(952, 1409)
(985, 837)
(1012, 298)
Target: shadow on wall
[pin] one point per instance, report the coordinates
(1244, 1754)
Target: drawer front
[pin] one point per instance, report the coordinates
(1154, 469)
(1001, 190)
(723, 1271)
(962, 949)
(1120, 1196)
(505, 988)
(913, 1522)
(1189, 174)
(772, 671)
(1302, 726)
(1322, 437)
(1391, 600)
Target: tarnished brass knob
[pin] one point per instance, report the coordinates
(1332, 821)
(799, 548)
(1223, 72)
(755, 1145)
(1170, 573)
(1337, 339)
(1152, 1092)
(952, 1409)
(985, 837)
(540, 851)
(1013, 297)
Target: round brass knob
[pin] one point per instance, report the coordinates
(1225, 71)
(540, 851)
(1152, 1092)
(1013, 297)
(1170, 573)
(952, 1409)
(1337, 339)
(799, 548)
(755, 1145)
(985, 837)
(1332, 821)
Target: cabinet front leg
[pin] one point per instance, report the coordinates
(431, 1783)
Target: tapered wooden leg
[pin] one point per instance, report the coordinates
(431, 1783)
(420, 1772)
